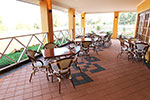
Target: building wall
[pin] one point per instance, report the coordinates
(143, 6)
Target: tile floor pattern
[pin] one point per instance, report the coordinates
(121, 80)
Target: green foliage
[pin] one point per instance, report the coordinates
(59, 41)
(57, 20)
(109, 32)
(1, 20)
(77, 24)
(98, 28)
(90, 21)
(19, 26)
(15, 56)
(36, 26)
(92, 32)
(129, 34)
(127, 18)
(124, 29)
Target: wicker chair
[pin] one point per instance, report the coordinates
(124, 47)
(140, 50)
(61, 69)
(80, 36)
(96, 43)
(85, 47)
(50, 45)
(75, 58)
(107, 40)
(131, 48)
(37, 65)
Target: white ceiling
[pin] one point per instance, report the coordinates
(95, 6)
(37, 2)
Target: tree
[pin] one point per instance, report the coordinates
(90, 21)
(36, 26)
(127, 18)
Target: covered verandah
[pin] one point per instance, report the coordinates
(105, 78)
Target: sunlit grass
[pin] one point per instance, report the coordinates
(15, 56)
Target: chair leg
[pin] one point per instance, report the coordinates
(72, 83)
(31, 76)
(97, 52)
(59, 87)
(51, 72)
(119, 54)
(47, 74)
(59, 80)
(80, 69)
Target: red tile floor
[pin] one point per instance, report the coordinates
(121, 80)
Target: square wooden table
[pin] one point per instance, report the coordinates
(56, 52)
(82, 39)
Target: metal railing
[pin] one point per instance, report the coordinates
(19, 43)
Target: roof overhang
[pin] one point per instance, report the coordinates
(93, 6)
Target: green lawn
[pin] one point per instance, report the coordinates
(57, 43)
(15, 56)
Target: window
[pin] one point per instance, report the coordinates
(143, 26)
(126, 24)
(60, 19)
(99, 22)
(19, 18)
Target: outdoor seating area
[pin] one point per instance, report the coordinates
(57, 61)
(119, 79)
(75, 50)
(134, 48)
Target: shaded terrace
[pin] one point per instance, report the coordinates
(120, 80)
(104, 77)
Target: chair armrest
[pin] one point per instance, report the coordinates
(41, 62)
(51, 62)
(37, 52)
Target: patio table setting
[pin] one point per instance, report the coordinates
(56, 52)
(57, 61)
(82, 39)
(136, 49)
(102, 35)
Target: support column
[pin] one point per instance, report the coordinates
(71, 13)
(115, 25)
(83, 23)
(46, 18)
